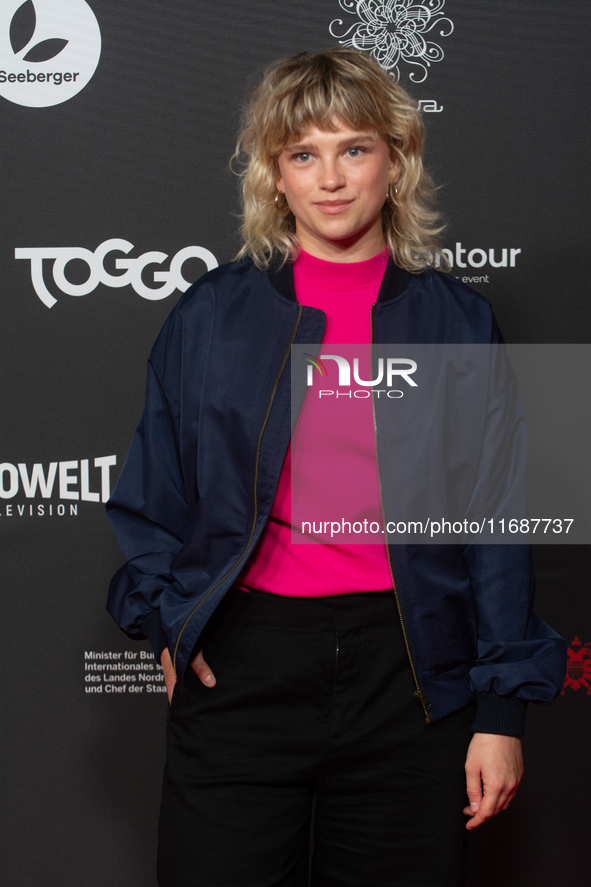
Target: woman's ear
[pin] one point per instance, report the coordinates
(278, 176)
(394, 174)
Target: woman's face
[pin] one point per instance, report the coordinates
(336, 184)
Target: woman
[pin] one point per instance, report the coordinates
(386, 682)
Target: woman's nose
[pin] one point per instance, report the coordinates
(331, 176)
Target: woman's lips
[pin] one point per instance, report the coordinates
(333, 207)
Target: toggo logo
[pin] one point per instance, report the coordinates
(170, 280)
(402, 367)
(72, 480)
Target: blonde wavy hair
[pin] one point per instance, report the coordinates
(312, 90)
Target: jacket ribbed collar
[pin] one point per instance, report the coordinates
(395, 280)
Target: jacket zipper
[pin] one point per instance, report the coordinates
(419, 692)
(256, 477)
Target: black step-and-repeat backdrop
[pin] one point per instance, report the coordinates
(118, 120)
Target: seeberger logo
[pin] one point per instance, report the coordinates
(169, 281)
(72, 479)
(49, 50)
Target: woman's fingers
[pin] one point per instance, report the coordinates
(169, 675)
(494, 767)
(202, 670)
(199, 666)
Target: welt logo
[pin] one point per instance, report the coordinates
(69, 481)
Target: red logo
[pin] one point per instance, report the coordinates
(578, 667)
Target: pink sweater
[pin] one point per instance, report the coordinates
(345, 292)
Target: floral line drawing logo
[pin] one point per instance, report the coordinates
(578, 667)
(22, 31)
(392, 31)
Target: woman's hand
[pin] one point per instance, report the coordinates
(199, 666)
(202, 670)
(494, 767)
(169, 675)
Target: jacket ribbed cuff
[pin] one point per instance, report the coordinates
(504, 715)
(152, 628)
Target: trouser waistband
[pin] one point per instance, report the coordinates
(332, 613)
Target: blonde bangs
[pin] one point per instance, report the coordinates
(318, 104)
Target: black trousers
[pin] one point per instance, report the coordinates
(314, 700)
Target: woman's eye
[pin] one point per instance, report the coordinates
(302, 157)
(355, 152)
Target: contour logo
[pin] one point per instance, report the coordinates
(49, 50)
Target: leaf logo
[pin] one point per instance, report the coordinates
(22, 31)
(49, 50)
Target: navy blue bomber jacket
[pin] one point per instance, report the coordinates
(200, 477)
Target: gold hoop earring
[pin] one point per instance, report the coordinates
(391, 198)
(285, 211)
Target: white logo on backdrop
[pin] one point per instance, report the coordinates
(71, 480)
(49, 50)
(430, 106)
(392, 30)
(170, 280)
(464, 256)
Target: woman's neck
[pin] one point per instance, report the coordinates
(358, 248)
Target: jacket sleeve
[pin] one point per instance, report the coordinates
(148, 509)
(520, 659)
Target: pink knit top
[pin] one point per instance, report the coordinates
(345, 292)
